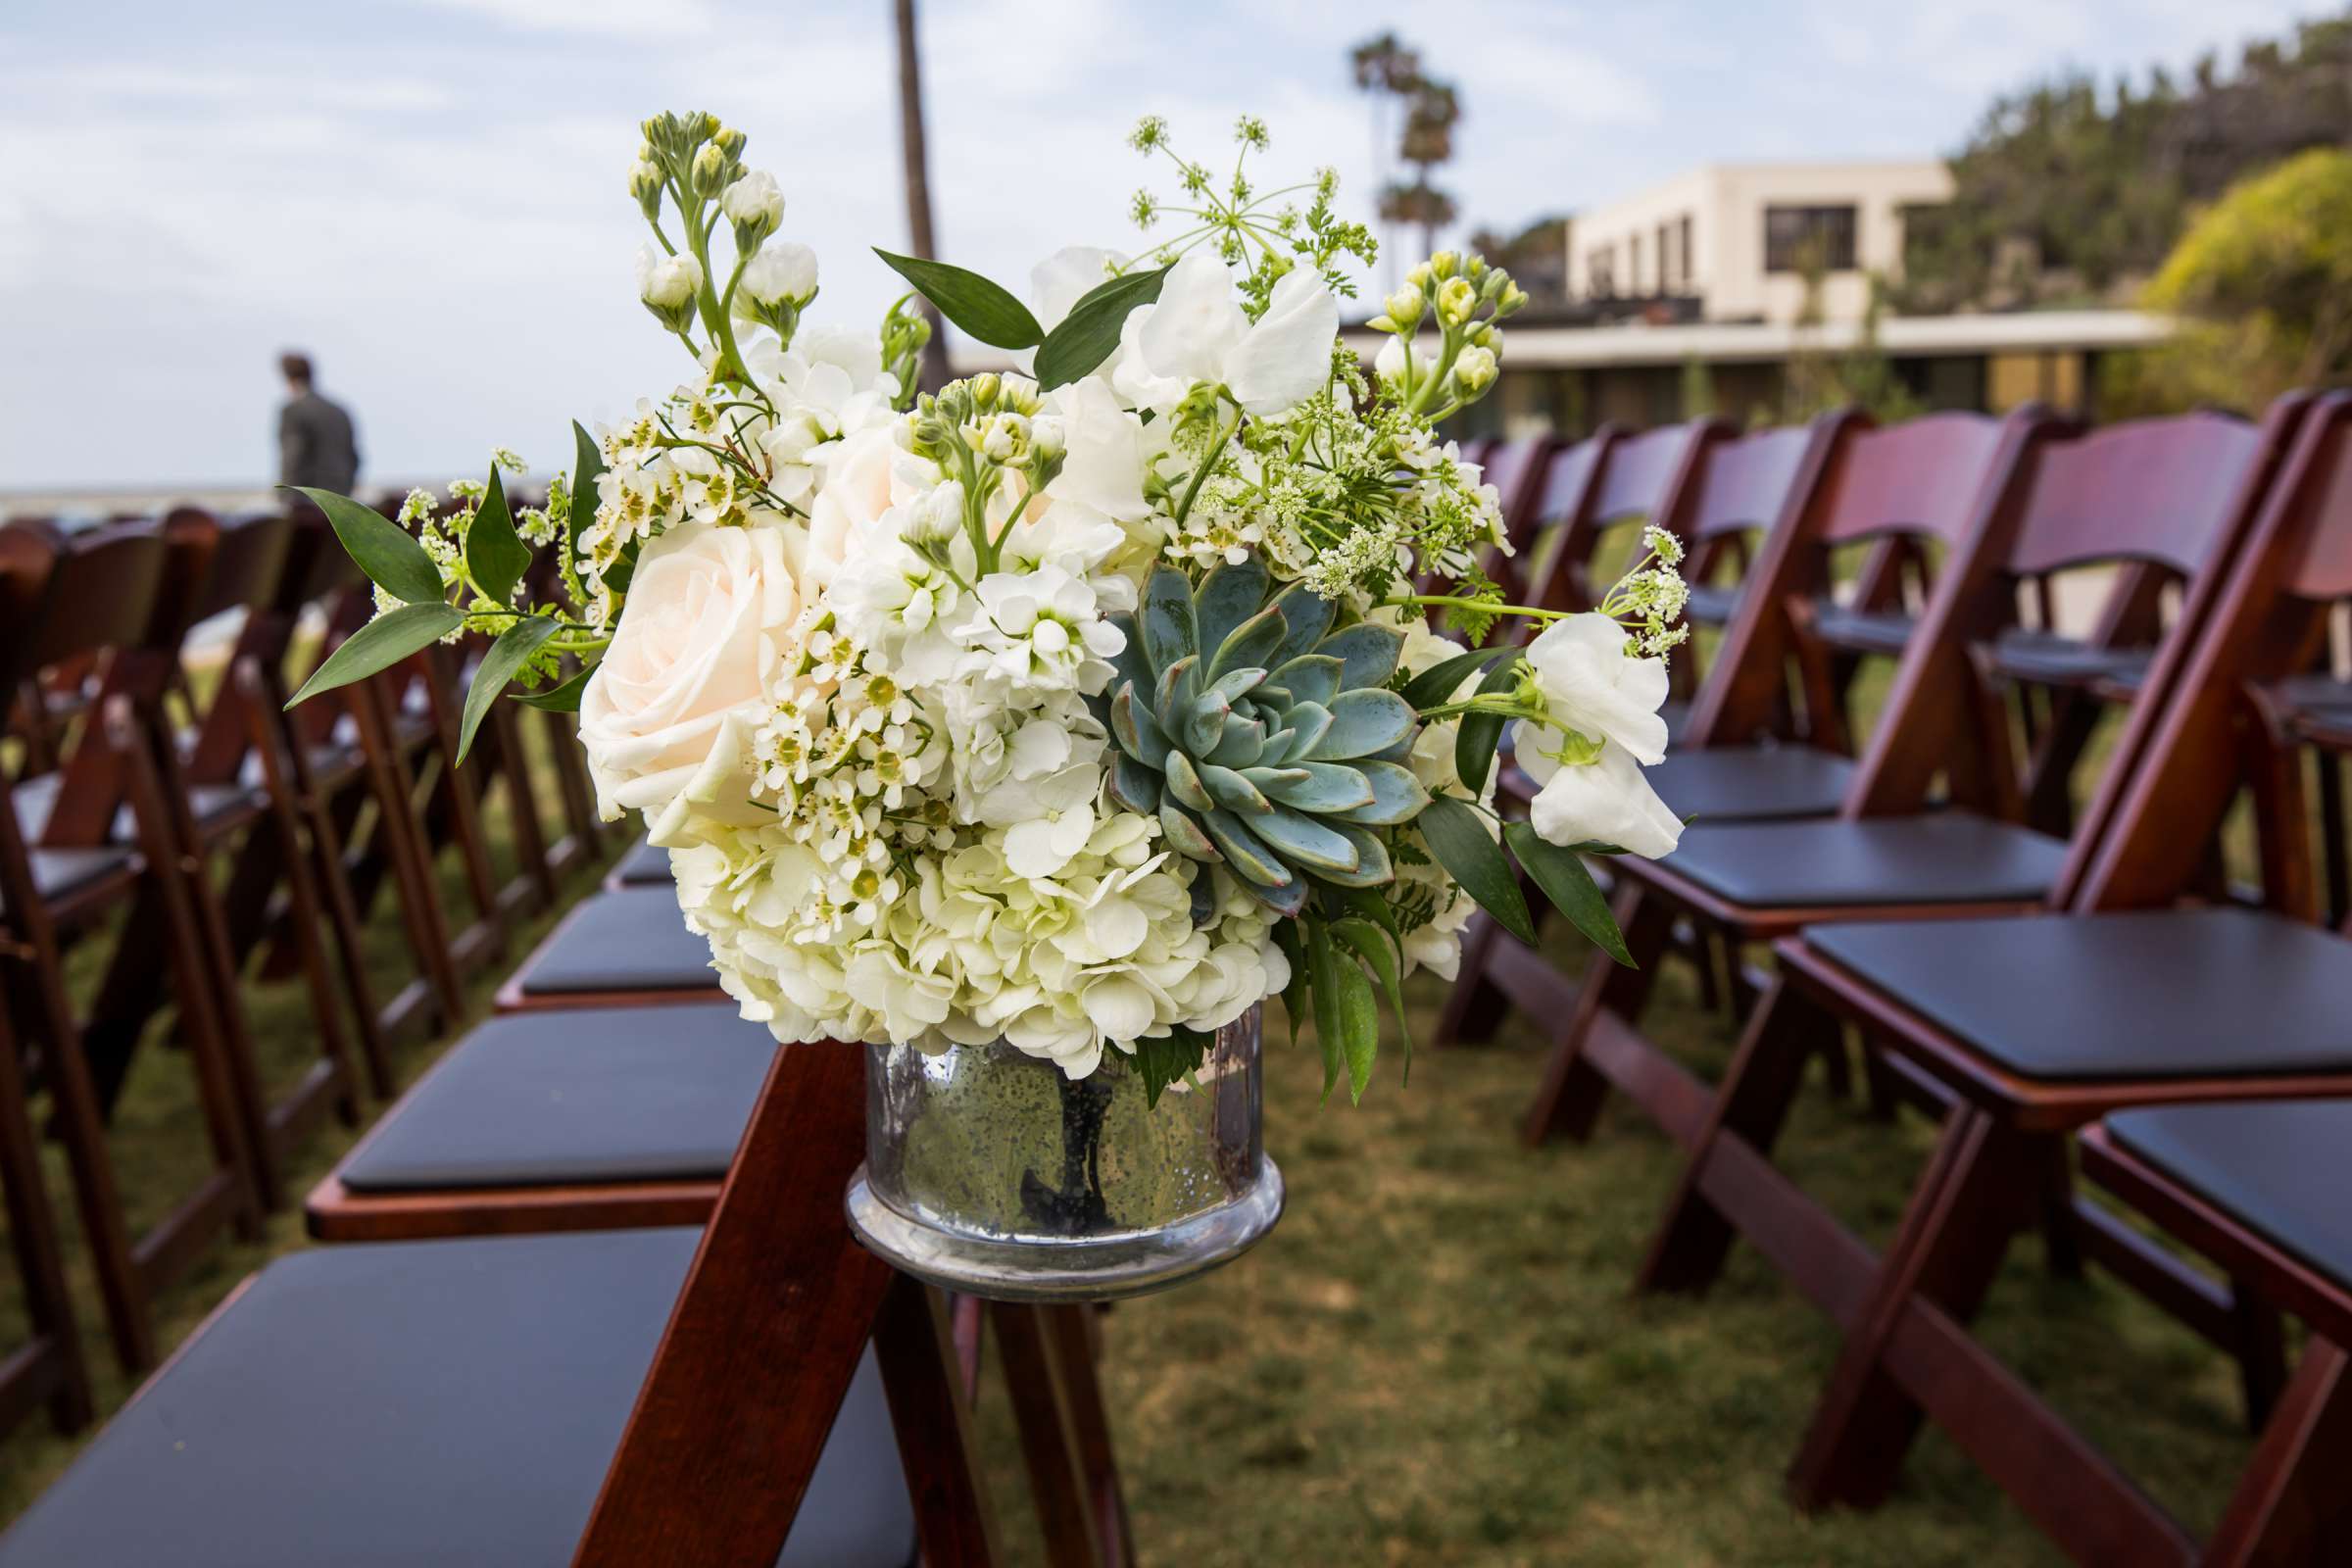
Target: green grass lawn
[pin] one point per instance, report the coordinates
(1434, 1358)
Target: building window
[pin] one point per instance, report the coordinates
(1795, 237)
(1601, 275)
(1682, 250)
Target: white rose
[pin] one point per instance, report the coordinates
(1605, 801)
(1592, 686)
(697, 636)
(784, 270)
(864, 480)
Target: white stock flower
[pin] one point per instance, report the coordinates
(1603, 802)
(753, 200)
(668, 284)
(706, 611)
(1591, 685)
(783, 270)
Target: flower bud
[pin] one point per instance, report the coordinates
(1048, 440)
(1445, 263)
(730, 141)
(1474, 266)
(1419, 274)
(756, 206)
(781, 273)
(1456, 299)
(645, 184)
(1403, 307)
(668, 285)
(1016, 394)
(938, 516)
(984, 389)
(1510, 301)
(1474, 370)
(709, 166)
(698, 127)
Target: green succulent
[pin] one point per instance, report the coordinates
(1262, 739)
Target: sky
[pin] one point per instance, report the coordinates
(428, 196)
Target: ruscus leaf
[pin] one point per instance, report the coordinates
(380, 644)
(513, 650)
(387, 552)
(1457, 836)
(985, 310)
(1084, 338)
(1562, 876)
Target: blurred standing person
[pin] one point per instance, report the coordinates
(316, 445)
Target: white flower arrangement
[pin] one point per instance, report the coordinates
(1087, 707)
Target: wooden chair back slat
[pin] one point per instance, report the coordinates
(100, 592)
(1920, 477)
(1639, 470)
(1569, 475)
(1748, 482)
(2157, 490)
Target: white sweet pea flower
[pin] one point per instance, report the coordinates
(1103, 464)
(1605, 802)
(706, 612)
(1284, 358)
(1591, 685)
(1197, 333)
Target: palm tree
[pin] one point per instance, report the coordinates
(916, 162)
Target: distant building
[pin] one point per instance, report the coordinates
(1734, 240)
(1698, 286)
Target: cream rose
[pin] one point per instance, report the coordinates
(865, 478)
(706, 609)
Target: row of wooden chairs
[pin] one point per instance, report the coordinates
(2074, 983)
(605, 1232)
(195, 838)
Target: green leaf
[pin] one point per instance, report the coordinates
(1295, 996)
(1359, 1027)
(1323, 963)
(495, 555)
(1437, 683)
(587, 461)
(1380, 949)
(380, 644)
(981, 308)
(1457, 836)
(564, 699)
(1570, 887)
(387, 552)
(1478, 736)
(513, 650)
(1088, 334)
(1163, 1062)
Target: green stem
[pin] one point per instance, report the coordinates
(1208, 461)
(1453, 600)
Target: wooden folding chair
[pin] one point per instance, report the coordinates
(1733, 755)
(2256, 1189)
(353, 1398)
(2117, 999)
(612, 1117)
(1891, 850)
(92, 842)
(228, 802)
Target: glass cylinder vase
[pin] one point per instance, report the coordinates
(990, 1172)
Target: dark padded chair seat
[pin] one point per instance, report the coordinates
(643, 867)
(550, 1099)
(36, 798)
(2160, 994)
(2046, 658)
(1752, 782)
(1869, 631)
(2282, 1168)
(2318, 694)
(1711, 606)
(421, 1402)
(1938, 857)
(628, 940)
(60, 873)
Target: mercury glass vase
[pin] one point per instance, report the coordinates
(988, 1171)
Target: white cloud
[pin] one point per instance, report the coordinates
(616, 19)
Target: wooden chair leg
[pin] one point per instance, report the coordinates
(1689, 1247)
(2061, 1236)
(405, 853)
(2259, 1343)
(1476, 1006)
(1036, 1378)
(1979, 1184)
(2291, 1505)
(1073, 1331)
(536, 871)
(48, 1308)
(1569, 1099)
(777, 1308)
